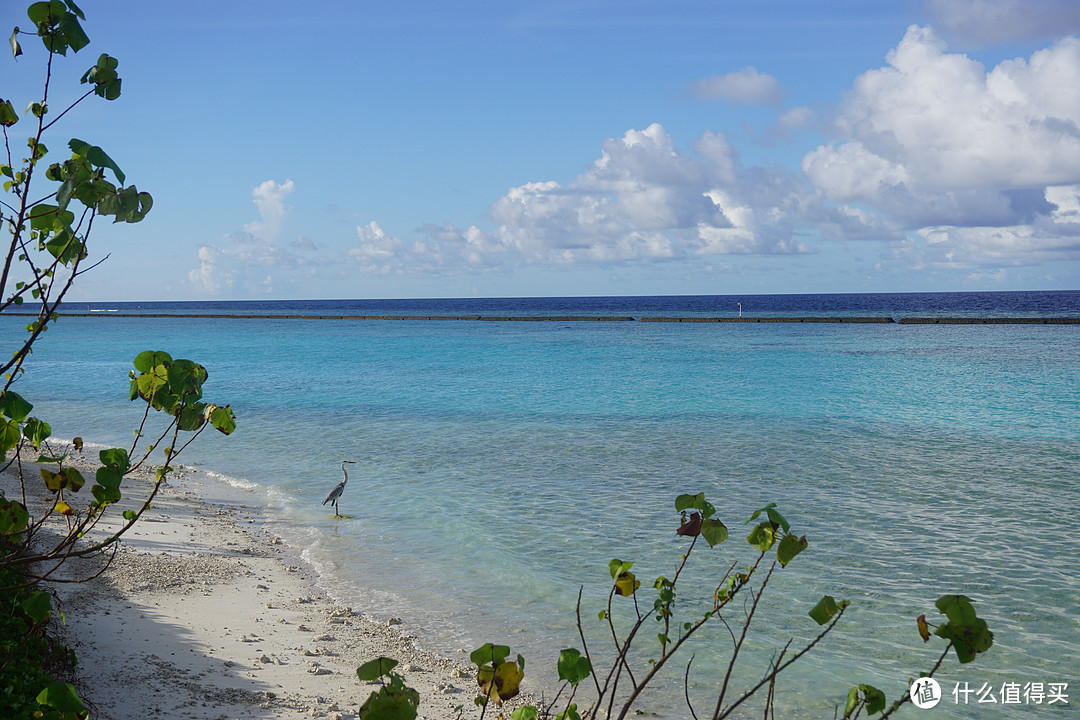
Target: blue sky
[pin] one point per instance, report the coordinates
(497, 148)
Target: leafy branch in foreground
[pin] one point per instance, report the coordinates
(619, 683)
(48, 249)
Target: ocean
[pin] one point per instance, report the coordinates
(502, 465)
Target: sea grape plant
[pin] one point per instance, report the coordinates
(48, 209)
(620, 677)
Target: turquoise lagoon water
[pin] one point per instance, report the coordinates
(502, 465)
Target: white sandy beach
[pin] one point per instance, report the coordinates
(202, 616)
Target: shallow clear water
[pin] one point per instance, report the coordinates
(502, 465)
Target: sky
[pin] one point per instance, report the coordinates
(496, 148)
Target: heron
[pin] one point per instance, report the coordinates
(335, 494)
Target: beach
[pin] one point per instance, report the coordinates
(203, 616)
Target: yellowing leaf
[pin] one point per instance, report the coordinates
(924, 629)
(64, 509)
(626, 584)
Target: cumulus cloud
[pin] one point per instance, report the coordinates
(251, 259)
(933, 138)
(991, 22)
(269, 198)
(979, 167)
(744, 87)
(643, 200)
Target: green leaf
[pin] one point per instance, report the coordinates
(8, 116)
(10, 434)
(192, 417)
(13, 517)
(37, 607)
(95, 156)
(489, 654)
(75, 8)
(115, 458)
(762, 536)
(573, 667)
(36, 431)
(150, 382)
(826, 609)
(103, 76)
(73, 33)
(525, 712)
(391, 702)
(375, 669)
(221, 418)
(852, 701)
(149, 359)
(789, 547)
(774, 516)
(695, 502)
(714, 531)
(875, 699)
(13, 405)
(62, 698)
(968, 633)
(618, 567)
(186, 376)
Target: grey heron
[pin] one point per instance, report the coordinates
(335, 494)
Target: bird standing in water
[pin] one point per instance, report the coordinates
(335, 494)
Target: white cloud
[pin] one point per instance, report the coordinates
(210, 277)
(269, 198)
(252, 260)
(744, 87)
(989, 22)
(935, 139)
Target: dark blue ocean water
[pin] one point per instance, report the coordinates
(896, 305)
(501, 466)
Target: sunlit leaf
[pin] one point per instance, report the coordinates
(13, 517)
(150, 382)
(221, 418)
(714, 531)
(12, 405)
(968, 633)
(773, 514)
(875, 699)
(64, 509)
(186, 376)
(626, 584)
(789, 547)
(116, 458)
(489, 653)
(375, 669)
(924, 628)
(617, 567)
(762, 536)
(53, 481)
(10, 434)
